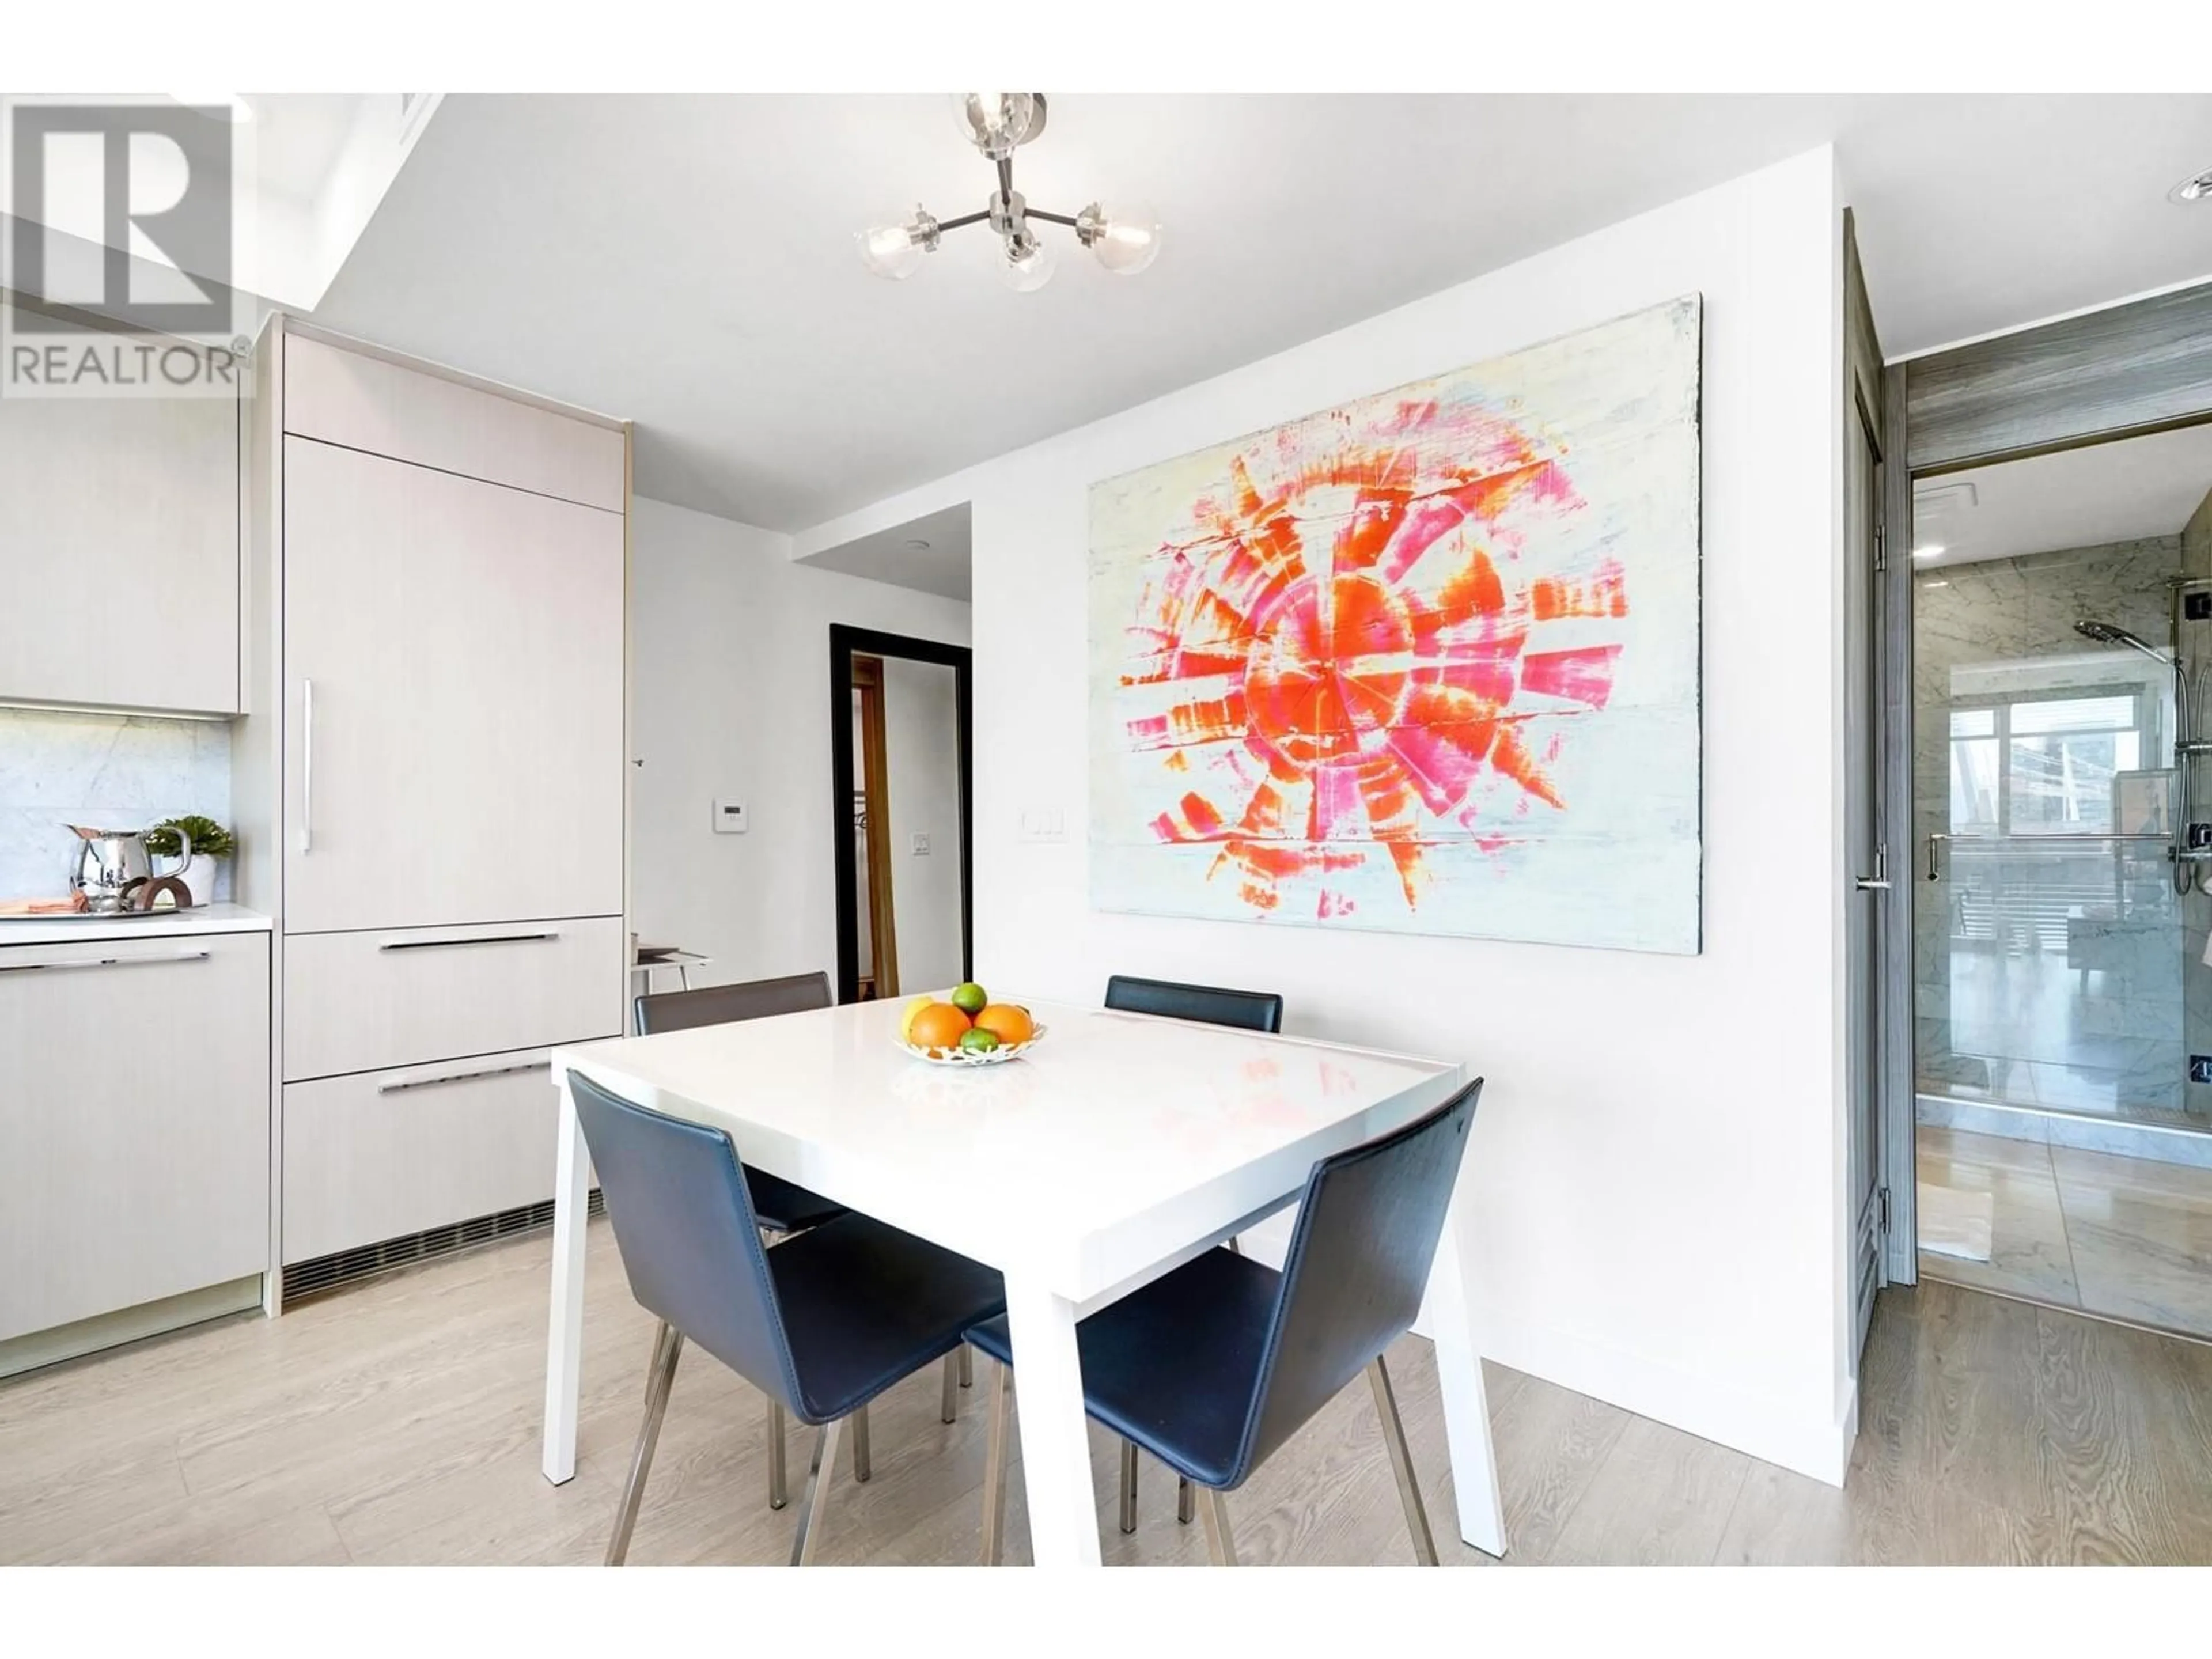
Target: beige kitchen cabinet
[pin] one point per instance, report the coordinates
(453, 685)
(120, 552)
(360, 1001)
(378, 1155)
(134, 1123)
(366, 403)
(433, 785)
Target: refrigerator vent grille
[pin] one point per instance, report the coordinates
(340, 1268)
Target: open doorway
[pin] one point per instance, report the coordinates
(2056, 812)
(901, 769)
(2061, 634)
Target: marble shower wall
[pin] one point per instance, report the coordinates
(108, 771)
(1999, 1012)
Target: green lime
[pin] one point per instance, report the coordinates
(981, 1041)
(969, 998)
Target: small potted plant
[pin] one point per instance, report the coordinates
(211, 844)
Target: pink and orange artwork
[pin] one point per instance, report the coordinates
(1427, 662)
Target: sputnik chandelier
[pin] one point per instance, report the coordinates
(997, 122)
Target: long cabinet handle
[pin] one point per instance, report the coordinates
(102, 962)
(451, 944)
(464, 1077)
(306, 766)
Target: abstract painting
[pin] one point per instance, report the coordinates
(1427, 662)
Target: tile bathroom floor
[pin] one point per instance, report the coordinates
(2121, 1237)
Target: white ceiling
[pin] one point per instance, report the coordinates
(2115, 492)
(307, 170)
(938, 566)
(297, 138)
(689, 261)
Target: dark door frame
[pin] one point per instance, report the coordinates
(845, 643)
(874, 767)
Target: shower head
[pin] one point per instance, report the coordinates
(2106, 632)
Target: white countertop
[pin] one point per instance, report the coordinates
(160, 923)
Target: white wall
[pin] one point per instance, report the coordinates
(1657, 1168)
(731, 696)
(921, 757)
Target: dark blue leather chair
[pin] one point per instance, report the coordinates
(1212, 1367)
(782, 1206)
(1249, 1010)
(821, 1324)
(1207, 1005)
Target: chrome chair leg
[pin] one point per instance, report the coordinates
(659, 1378)
(1220, 1542)
(816, 1498)
(994, 1466)
(862, 1466)
(1183, 1504)
(1128, 1486)
(1402, 1463)
(967, 1366)
(778, 1493)
(948, 1406)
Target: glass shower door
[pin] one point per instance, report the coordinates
(2048, 930)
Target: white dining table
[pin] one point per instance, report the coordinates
(1118, 1147)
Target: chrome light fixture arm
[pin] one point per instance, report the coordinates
(996, 124)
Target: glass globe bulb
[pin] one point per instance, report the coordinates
(994, 122)
(1125, 241)
(1026, 266)
(895, 251)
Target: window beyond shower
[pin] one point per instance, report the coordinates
(2052, 763)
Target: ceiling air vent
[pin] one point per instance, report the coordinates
(1957, 496)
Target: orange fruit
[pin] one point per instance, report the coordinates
(1007, 1023)
(940, 1025)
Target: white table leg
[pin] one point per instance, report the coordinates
(1459, 1380)
(564, 1337)
(1056, 1443)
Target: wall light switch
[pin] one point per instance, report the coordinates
(729, 817)
(920, 845)
(1043, 824)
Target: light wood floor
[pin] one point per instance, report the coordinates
(399, 1423)
(2123, 1236)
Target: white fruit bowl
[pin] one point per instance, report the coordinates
(998, 1056)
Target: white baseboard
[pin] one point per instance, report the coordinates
(1696, 1403)
(50, 1347)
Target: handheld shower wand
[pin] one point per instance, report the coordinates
(2185, 745)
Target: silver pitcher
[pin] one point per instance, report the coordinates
(111, 865)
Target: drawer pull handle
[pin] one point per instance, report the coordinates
(102, 962)
(464, 1077)
(449, 943)
(306, 767)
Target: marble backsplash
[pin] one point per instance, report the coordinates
(108, 771)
